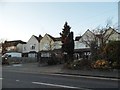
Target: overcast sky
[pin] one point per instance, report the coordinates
(21, 20)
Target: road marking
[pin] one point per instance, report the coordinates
(90, 77)
(17, 80)
(56, 85)
(1, 78)
(15, 65)
(7, 66)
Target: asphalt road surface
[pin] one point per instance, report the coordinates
(29, 80)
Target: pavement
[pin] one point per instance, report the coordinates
(58, 69)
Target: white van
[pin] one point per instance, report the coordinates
(13, 54)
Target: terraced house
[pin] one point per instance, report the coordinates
(31, 48)
(13, 46)
(83, 43)
(50, 44)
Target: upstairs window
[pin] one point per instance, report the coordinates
(32, 47)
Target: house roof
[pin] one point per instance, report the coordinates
(77, 38)
(106, 30)
(88, 31)
(38, 38)
(112, 29)
(54, 38)
(50, 36)
(14, 42)
(98, 35)
(57, 39)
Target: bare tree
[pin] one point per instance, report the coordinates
(2, 40)
(91, 40)
(98, 39)
(3, 45)
(109, 22)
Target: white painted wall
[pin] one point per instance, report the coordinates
(19, 47)
(46, 43)
(12, 48)
(86, 37)
(57, 45)
(32, 42)
(80, 45)
(114, 36)
(24, 48)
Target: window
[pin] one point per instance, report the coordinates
(32, 47)
(24, 48)
(86, 45)
(45, 54)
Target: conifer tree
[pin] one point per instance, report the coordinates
(67, 42)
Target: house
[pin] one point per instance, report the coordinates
(19, 47)
(107, 35)
(82, 44)
(46, 43)
(11, 46)
(57, 43)
(31, 48)
(112, 35)
(50, 44)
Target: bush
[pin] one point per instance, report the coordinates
(100, 64)
(111, 51)
(115, 65)
(52, 61)
(78, 64)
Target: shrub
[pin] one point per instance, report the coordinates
(111, 51)
(100, 64)
(116, 65)
(78, 64)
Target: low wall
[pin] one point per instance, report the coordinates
(22, 60)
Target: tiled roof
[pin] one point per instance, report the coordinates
(98, 35)
(57, 39)
(77, 38)
(38, 38)
(54, 38)
(14, 42)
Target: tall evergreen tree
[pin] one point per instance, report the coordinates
(67, 42)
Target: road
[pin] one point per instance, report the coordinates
(11, 79)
